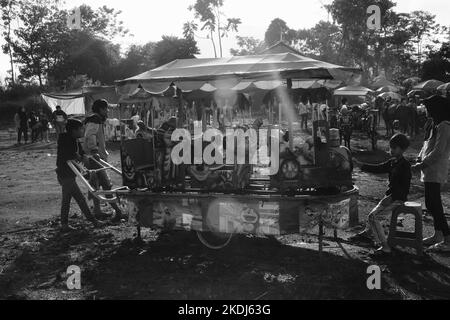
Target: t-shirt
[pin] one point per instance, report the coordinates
(302, 109)
(59, 116)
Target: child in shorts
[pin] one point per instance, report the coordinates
(399, 171)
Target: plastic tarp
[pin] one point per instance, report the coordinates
(80, 101)
(70, 104)
(352, 91)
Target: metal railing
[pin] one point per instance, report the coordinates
(102, 195)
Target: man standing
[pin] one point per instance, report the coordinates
(95, 145)
(303, 111)
(21, 121)
(402, 114)
(387, 117)
(59, 119)
(412, 116)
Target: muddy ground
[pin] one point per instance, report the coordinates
(34, 254)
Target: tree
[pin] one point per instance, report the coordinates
(321, 42)
(103, 22)
(30, 37)
(8, 15)
(209, 14)
(90, 55)
(277, 31)
(44, 47)
(422, 25)
(137, 59)
(171, 48)
(437, 65)
(248, 46)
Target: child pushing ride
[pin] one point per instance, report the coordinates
(70, 149)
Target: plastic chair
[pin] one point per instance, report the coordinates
(407, 239)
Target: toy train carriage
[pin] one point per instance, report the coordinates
(330, 164)
(147, 164)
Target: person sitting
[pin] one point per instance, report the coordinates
(400, 175)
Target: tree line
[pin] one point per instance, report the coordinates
(408, 44)
(44, 50)
(39, 42)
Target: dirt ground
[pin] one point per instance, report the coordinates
(34, 255)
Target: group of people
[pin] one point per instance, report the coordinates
(432, 163)
(305, 108)
(90, 152)
(38, 124)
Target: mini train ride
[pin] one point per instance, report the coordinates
(312, 187)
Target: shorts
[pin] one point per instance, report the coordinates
(384, 208)
(99, 179)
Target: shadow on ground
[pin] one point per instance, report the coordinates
(177, 266)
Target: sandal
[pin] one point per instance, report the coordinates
(360, 238)
(380, 253)
(441, 247)
(431, 241)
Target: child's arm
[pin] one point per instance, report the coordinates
(384, 167)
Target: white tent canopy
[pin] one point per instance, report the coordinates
(79, 102)
(70, 104)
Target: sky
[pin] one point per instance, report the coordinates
(148, 20)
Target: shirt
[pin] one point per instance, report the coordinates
(59, 116)
(302, 109)
(94, 136)
(435, 154)
(68, 149)
(399, 171)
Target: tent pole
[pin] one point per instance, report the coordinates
(291, 108)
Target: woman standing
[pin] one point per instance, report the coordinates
(433, 162)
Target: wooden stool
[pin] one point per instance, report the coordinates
(407, 239)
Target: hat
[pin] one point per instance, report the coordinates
(438, 107)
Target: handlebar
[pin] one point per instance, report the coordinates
(80, 171)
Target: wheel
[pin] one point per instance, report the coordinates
(213, 240)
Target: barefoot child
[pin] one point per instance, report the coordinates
(399, 171)
(70, 149)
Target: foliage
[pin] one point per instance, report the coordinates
(437, 65)
(248, 46)
(279, 31)
(209, 14)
